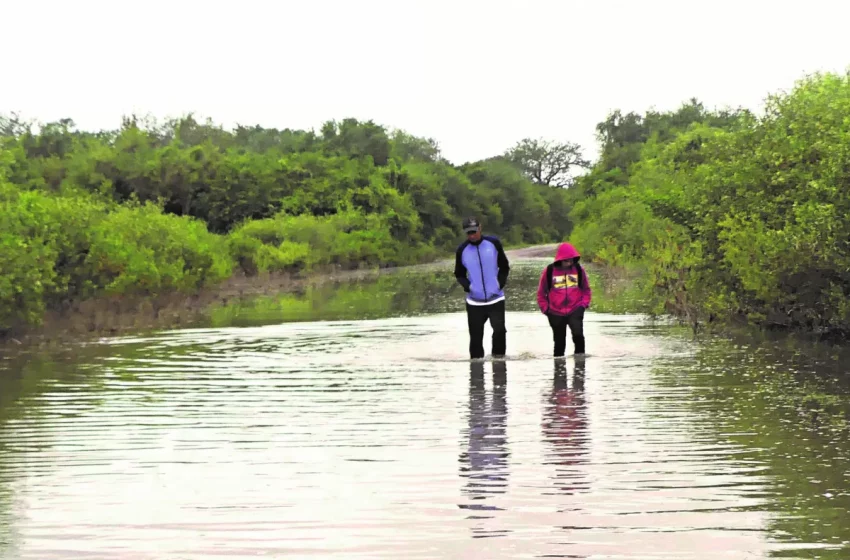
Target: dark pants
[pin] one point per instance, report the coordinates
(476, 317)
(559, 324)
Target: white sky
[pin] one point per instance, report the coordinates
(475, 75)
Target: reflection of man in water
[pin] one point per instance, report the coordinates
(484, 464)
(565, 427)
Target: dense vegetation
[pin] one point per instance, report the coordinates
(151, 208)
(720, 214)
(729, 214)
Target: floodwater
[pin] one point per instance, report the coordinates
(347, 422)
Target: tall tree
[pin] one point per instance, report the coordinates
(547, 163)
(12, 125)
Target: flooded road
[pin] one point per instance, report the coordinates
(360, 430)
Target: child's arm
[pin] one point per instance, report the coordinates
(542, 299)
(585, 292)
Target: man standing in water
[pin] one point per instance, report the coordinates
(482, 268)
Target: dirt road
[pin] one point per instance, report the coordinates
(534, 252)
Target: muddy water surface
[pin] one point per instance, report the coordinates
(348, 423)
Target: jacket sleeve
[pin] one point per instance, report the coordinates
(460, 269)
(542, 294)
(502, 261)
(585, 292)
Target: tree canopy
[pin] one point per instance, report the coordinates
(729, 214)
(176, 205)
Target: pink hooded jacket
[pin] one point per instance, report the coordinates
(565, 295)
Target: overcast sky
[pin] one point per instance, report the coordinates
(475, 75)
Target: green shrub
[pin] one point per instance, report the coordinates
(139, 249)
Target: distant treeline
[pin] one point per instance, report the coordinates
(156, 207)
(722, 214)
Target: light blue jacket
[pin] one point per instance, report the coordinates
(482, 269)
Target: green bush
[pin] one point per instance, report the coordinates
(141, 250)
(345, 239)
(734, 215)
(59, 248)
(26, 257)
(289, 255)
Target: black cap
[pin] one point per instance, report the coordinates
(470, 225)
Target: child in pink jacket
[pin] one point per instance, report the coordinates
(562, 295)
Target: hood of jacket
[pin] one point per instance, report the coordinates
(566, 251)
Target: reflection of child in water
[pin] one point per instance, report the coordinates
(565, 425)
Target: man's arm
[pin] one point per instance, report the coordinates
(502, 260)
(460, 269)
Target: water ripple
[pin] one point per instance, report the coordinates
(377, 439)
